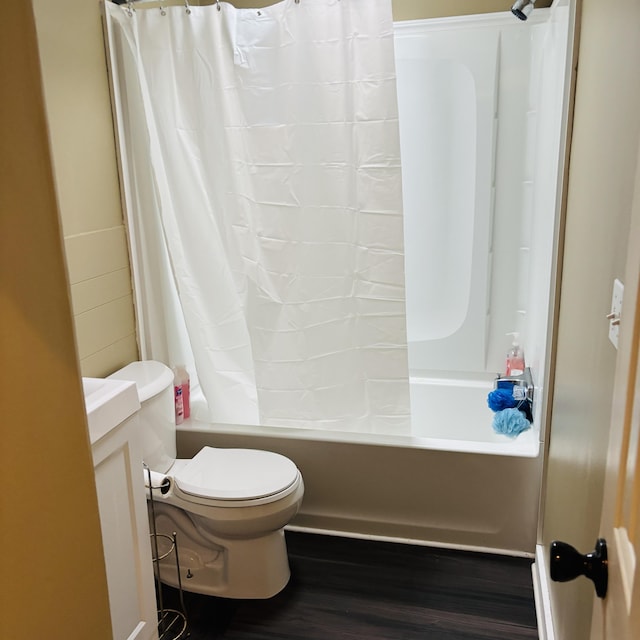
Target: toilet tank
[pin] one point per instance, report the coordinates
(156, 417)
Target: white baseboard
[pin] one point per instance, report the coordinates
(541, 595)
(412, 541)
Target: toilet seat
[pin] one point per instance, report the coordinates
(235, 477)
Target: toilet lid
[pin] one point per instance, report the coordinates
(236, 474)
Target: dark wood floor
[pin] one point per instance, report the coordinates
(358, 589)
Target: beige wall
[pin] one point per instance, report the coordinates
(601, 182)
(79, 114)
(52, 581)
(415, 9)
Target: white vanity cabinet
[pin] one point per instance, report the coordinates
(123, 515)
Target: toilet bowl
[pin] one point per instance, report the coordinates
(228, 507)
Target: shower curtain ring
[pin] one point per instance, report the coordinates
(130, 8)
(218, 4)
(162, 11)
(187, 7)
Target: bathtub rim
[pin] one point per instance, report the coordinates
(526, 445)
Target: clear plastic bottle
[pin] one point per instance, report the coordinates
(181, 383)
(515, 358)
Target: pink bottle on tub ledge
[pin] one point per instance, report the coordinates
(515, 358)
(181, 392)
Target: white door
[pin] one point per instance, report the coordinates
(617, 616)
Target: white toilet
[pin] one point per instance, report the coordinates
(227, 506)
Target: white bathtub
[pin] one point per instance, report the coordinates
(453, 483)
(447, 414)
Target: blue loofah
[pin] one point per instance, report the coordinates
(510, 422)
(500, 399)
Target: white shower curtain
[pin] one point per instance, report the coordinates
(261, 174)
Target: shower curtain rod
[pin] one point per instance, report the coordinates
(160, 3)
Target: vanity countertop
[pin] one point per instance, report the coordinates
(108, 403)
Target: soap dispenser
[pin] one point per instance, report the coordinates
(181, 390)
(515, 357)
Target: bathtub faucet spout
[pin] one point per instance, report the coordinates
(522, 9)
(523, 380)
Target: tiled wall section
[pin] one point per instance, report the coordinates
(84, 159)
(102, 302)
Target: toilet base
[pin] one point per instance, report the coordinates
(245, 568)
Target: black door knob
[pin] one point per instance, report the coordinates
(566, 564)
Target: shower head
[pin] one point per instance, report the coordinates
(522, 8)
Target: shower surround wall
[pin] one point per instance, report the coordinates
(470, 97)
(480, 102)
